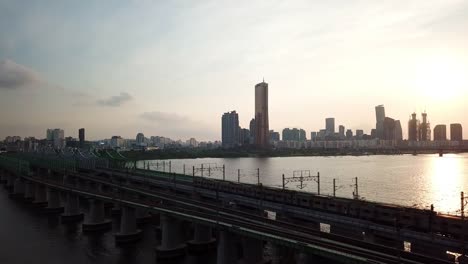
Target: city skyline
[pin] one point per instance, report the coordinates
(121, 79)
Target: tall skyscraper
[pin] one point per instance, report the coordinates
(252, 131)
(388, 129)
(341, 131)
(398, 130)
(440, 133)
(349, 134)
(424, 129)
(330, 126)
(230, 129)
(456, 132)
(413, 125)
(262, 131)
(81, 136)
(380, 119)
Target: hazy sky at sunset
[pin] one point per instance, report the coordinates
(171, 68)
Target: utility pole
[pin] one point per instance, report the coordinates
(356, 189)
(284, 184)
(193, 172)
(334, 187)
(224, 172)
(318, 183)
(258, 176)
(170, 166)
(238, 175)
(184, 169)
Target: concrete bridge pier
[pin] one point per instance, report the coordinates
(128, 226)
(10, 182)
(28, 191)
(40, 195)
(142, 216)
(72, 209)
(96, 220)
(227, 248)
(54, 201)
(252, 250)
(172, 238)
(3, 176)
(18, 189)
(202, 241)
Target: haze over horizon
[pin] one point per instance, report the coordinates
(172, 69)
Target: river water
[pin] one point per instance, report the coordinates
(409, 180)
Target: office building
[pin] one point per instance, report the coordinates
(262, 130)
(140, 139)
(56, 138)
(359, 133)
(294, 134)
(313, 136)
(398, 130)
(244, 137)
(230, 129)
(413, 125)
(330, 126)
(274, 136)
(81, 137)
(252, 131)
(424, 129)
(440, 133)
(341, 131)
(456, 132)
(380, 119)
(349, 134)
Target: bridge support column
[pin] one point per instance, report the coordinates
(227, 249)
(10, 181)
(18, 189)
(203, 240)
(128, 226)
(40, 196)
(29, 191)
(252, 249)
(142, 216)
(54, 201)
(3, 176)
(96, 220)
(172, 238)
(72, 209)
(304, 258)
(281, 254)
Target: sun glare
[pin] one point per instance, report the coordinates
(441, 78)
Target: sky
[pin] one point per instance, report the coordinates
(172, 68)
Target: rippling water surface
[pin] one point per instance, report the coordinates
(409, 180)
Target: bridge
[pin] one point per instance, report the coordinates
(197, 214)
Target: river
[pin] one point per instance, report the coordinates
(416, 181)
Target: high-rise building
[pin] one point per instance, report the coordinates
(230, 129)
(81, 136)
(388, 129)
(359, 133)
(349, 134)
(330, 126)
(262, 131)
(244, 137)
(140, 139)
(398, 131)
(413, 125)
(294, 134)
(252, 131)
(456, 132)
(440, 133)
(313, 136)
(274, 136)
(380, 118)
(341, 131)
(424, 129)
(56, 137)
(302, 135)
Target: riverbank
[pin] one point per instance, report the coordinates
(239, 153)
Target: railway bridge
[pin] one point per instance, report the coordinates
(196, 214)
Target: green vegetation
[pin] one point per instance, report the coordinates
(244, 152)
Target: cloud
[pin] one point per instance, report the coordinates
(164, 118)
(174, 125)
(116, 100)
(14, 76)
